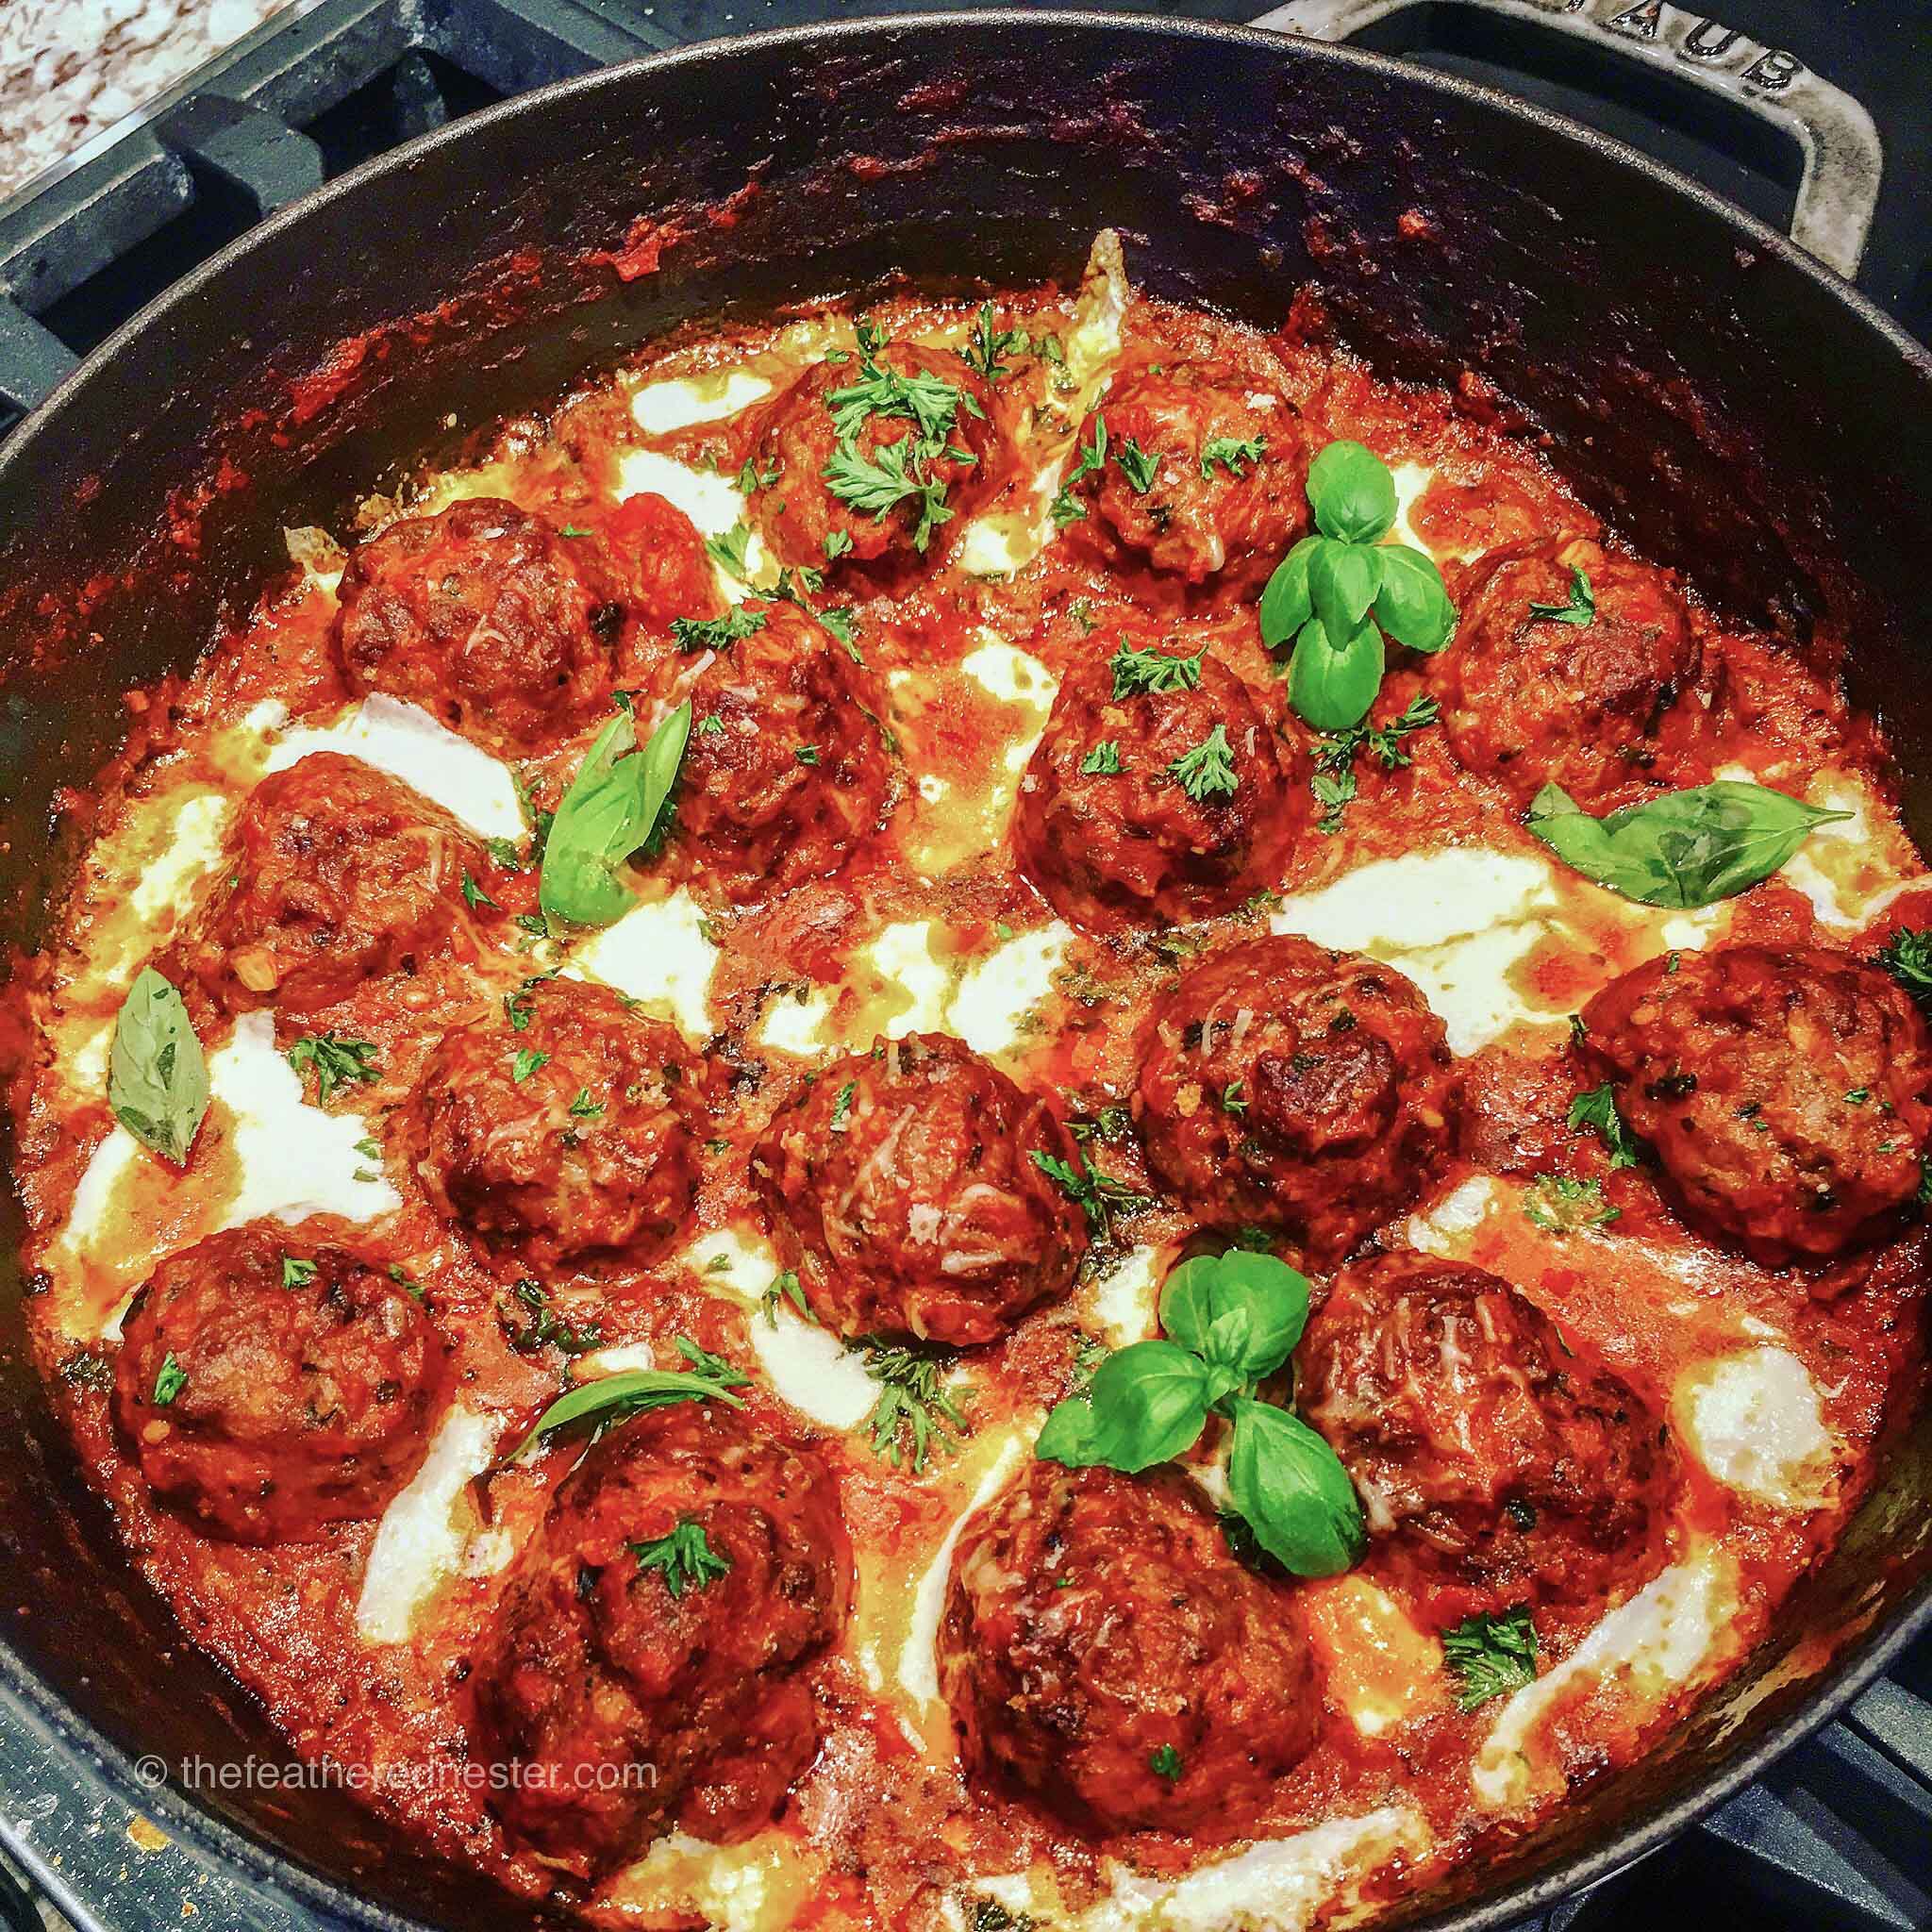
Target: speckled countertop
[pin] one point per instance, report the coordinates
(70, 69)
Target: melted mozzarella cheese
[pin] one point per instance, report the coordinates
(1125, 1297)
(1649, 1646)
(812, 1369)
(793, 1024)
(409, 744)
(1755, 1421)
(678, 402)
(1010, 674)
(1444, 1227)
(423, 1538)
(657, 955)
(1276, 1886)
(902, 955)
(295, 1160)
(194, 849)
(919, 1675)
(998, 992)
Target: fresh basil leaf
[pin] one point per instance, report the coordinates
(1352, 493)
(157, 1077)
(1147, 1403)
(1342, 582)
(610, 810)
(1270, 1296)
(1333, 688)
(630, 1391)
(1286, 605)
(1685, 849)
(1413, 604)
(1294, 1491)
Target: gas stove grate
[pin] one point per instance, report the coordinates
(1837, 1838)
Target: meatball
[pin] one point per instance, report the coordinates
(1183, 490)
(1103, 1652)
(339, 875)
(669, 574)
(271, 1384)
(803, 518)
(1530, 700)
(1782, 1092)
(1120, 823)
(787, 768)
(1496, 1467)
(486, 617)
(901, 1186)
(568, 1134)
(644, 1672)
(1305, 1091)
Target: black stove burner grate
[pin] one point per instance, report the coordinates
(1837, 1839)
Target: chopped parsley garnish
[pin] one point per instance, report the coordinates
(583, 1108)
(913, 1416)
(475, 895)
(1596, 1110)
(1234, 1098)
(1232, 453)
(1103, 760)
(1581, 608)
(1207, 771)
(684, 1558)
(982, 353)
(503, 854)
(874, 485)
(1559, 1203)
(1165, 1764)
(538, 1325)
(519, 1008)
(1137, 671)
(1067, 509)
(1907, 957)
(336, 1060)
(844, 626)
(169, 1381)
(1333, 780)
(806, 754)
(751, 477)
(527, 1061)
(1080, 614)
(784, 1287)
(1099, 1197)
(842, 1107)
(296, 1272)
(716, 633)
(728, 551)
(837, 543)
(406, 1281)
(710, 725)
(1139, 466)
(1491, 1655)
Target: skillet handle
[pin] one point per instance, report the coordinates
(1843, 158)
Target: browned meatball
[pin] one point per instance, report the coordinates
(1228, 520)
(271, 1385)
(565, 1132)
(901, 1186)
(340, 874)
(1134, 812)
(1782, 1092)
(1103, 1652)
(787, 766)
(639, 1688)
(1495, 1466)
(1533, 700)
(804, 521)
(488, 619)
(1303, 1090)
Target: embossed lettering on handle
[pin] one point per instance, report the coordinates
(1844, 159)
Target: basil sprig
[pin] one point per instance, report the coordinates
(612, 807)
(157, 1076)
(1232, 1321)
(608, 1400)
(1339, 594)
(1685, 849)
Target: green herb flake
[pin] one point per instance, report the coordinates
(716, 633)
(337, 1062)
(1559, 1203)
(169, 1381)
(1491, 1655)
(1140, 466)
(1103, 760)
(1232, 453)
(527, 1061)
(1207, 771)
(914, 1415)
(728, 551)
(1139, 671)
(1595, 1112)
(684, 1558)
(1580, 608)
(1165, 1763)
(296, 1272)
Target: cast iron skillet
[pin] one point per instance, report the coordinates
(1729, 405)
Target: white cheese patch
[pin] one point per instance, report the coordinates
(197, 845)
(1010, 674)
(793, 1024)
(998, 991)
(1852, 867)
(1455, 920)
(902, 955)
(710, 501)
(1444, 1227)
(409, 744)
(727, 1260)
(728, 1886)
(678, 402)
(1094, 340)
(1000, 543)
(919, 1671)
(422, 1539)
(812, 1369)
(1276, 1886)
(1125, 1298)
(1410, 480)
(295, 1160)
(657, 955)
(87, 1213)
(1755, 1421)
(1650, 1645)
